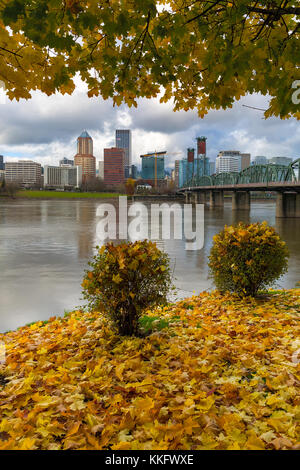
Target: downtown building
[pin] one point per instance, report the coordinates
(101, 170)
(124, 141)
(65, 161)
(283, 161)
(134, 172)
(26, 173)
(193, 167)
(2, 168)
(260, 160)
(148, 167)
(114, 166)
(232, 161)
(62, 177)
(84, 157)
(176, 173)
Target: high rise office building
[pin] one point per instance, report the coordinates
(232, 161)
(85, 157)
(101, 170)
(260, 160)
(2, 162)
(64, 176)
(176, 170)
(124, 141)
(134, 172)
(228, 161)
(284, 161)
(201, 146)
(85, 144)
(201, 163)
(190, 155)
(114, 168)
(245, 160)
(153, 167)
(24, 172)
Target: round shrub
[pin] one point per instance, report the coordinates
(126, 279)
(247, 258)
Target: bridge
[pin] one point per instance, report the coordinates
(283, 180)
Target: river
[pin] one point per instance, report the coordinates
(45, 247)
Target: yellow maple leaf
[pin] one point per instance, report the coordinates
(255, 443)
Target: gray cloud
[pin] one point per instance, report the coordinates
(46, 128)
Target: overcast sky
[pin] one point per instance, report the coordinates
(45, 128)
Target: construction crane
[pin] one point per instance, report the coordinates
(156, 154)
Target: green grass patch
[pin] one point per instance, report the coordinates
(42, 322)
(64, 195)
(150, 324)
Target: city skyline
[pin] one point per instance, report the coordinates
(33, 133)
(169, 163)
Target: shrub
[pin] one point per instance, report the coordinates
(130, 186)
(126, 279)
(247, 258)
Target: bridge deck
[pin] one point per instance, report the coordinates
(272, 186)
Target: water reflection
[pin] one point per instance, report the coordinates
(45, 247)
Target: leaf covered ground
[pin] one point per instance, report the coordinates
(222, 373)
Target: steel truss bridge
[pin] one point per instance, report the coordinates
(284, 180)
(254, 174)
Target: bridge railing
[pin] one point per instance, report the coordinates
(253, 174)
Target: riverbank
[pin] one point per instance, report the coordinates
(217, 372)
(64, 195)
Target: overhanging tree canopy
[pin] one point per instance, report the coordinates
(202, 54)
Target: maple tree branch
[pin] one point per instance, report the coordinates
(277, 11)
(11, 52)
(145, 34)
(202, 13)
(95, 45)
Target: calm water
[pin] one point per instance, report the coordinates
(45, 247)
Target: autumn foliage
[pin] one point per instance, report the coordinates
(247, 258)
(130, 186)
(223, 375)
(198, 54)
(126, 279)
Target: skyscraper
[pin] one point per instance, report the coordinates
(1, 162)
(85, 157)
(85, 144)
(114, 159)
(245, 160)
(124, 141)
(177, 164)
(201, 146)
(149, 162)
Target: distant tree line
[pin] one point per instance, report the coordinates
(8, 189)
